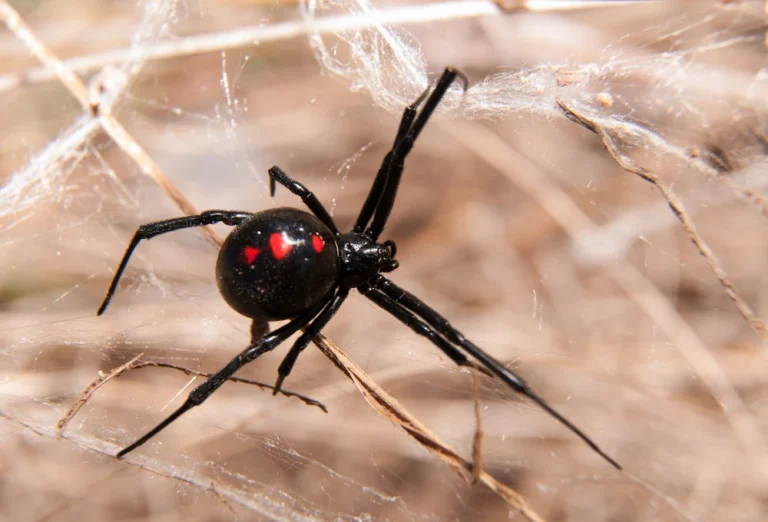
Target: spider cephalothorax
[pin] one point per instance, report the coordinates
(362, 258)
(288, 264)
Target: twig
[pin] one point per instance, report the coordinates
(614, 237)
(246, 36)
(98, 101)
(89, 391)
(382, 403)
(135, 364)
(568, 5)
(21, 30)
(252, 35)
(386, 406)
(222, 499)
(306, 400)
(628, 164)
(477, 440)
(148, 166)
(648, 297)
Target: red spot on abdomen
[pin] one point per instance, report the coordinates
(318, 243)
(280, 247)
(249, 254)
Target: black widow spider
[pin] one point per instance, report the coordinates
(285, 263)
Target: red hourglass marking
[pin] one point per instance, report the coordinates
(279, 246)
(250, 253)
(318, 243)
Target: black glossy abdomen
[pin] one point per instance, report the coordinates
(277, 264)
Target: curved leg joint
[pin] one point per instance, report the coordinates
(277, 175)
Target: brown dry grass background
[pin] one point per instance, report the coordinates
(525, 231)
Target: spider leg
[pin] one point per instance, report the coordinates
(410, 302)
(401, 149)
(309, 333)
(417, 325)
(259, 328)
(366, 212)
(276, 174)
(151, 230)
(202, 392)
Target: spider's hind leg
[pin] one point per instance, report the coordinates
(309, 333)
(259, 330)
(150, 230)
(419, 327)
(407, 301)
(202, 392)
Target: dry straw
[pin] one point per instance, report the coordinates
(388, 64)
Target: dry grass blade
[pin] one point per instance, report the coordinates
(21, 30)
(247, 36)
(107, 88)
(610, 142)
(148, 166)
(89, 391)
(568, 5)
(382, 403)
(637, 287)
(259, 34)
(386, 406)
(477, 440)
(136, 364)
(285, 393)
(99, 105)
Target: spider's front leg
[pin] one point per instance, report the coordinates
(276, 174)
(372, 200)
(384, 190)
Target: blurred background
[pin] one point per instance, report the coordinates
(512, 220)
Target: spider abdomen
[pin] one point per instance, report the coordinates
(277, 264)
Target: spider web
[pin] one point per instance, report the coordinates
(526, 215)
